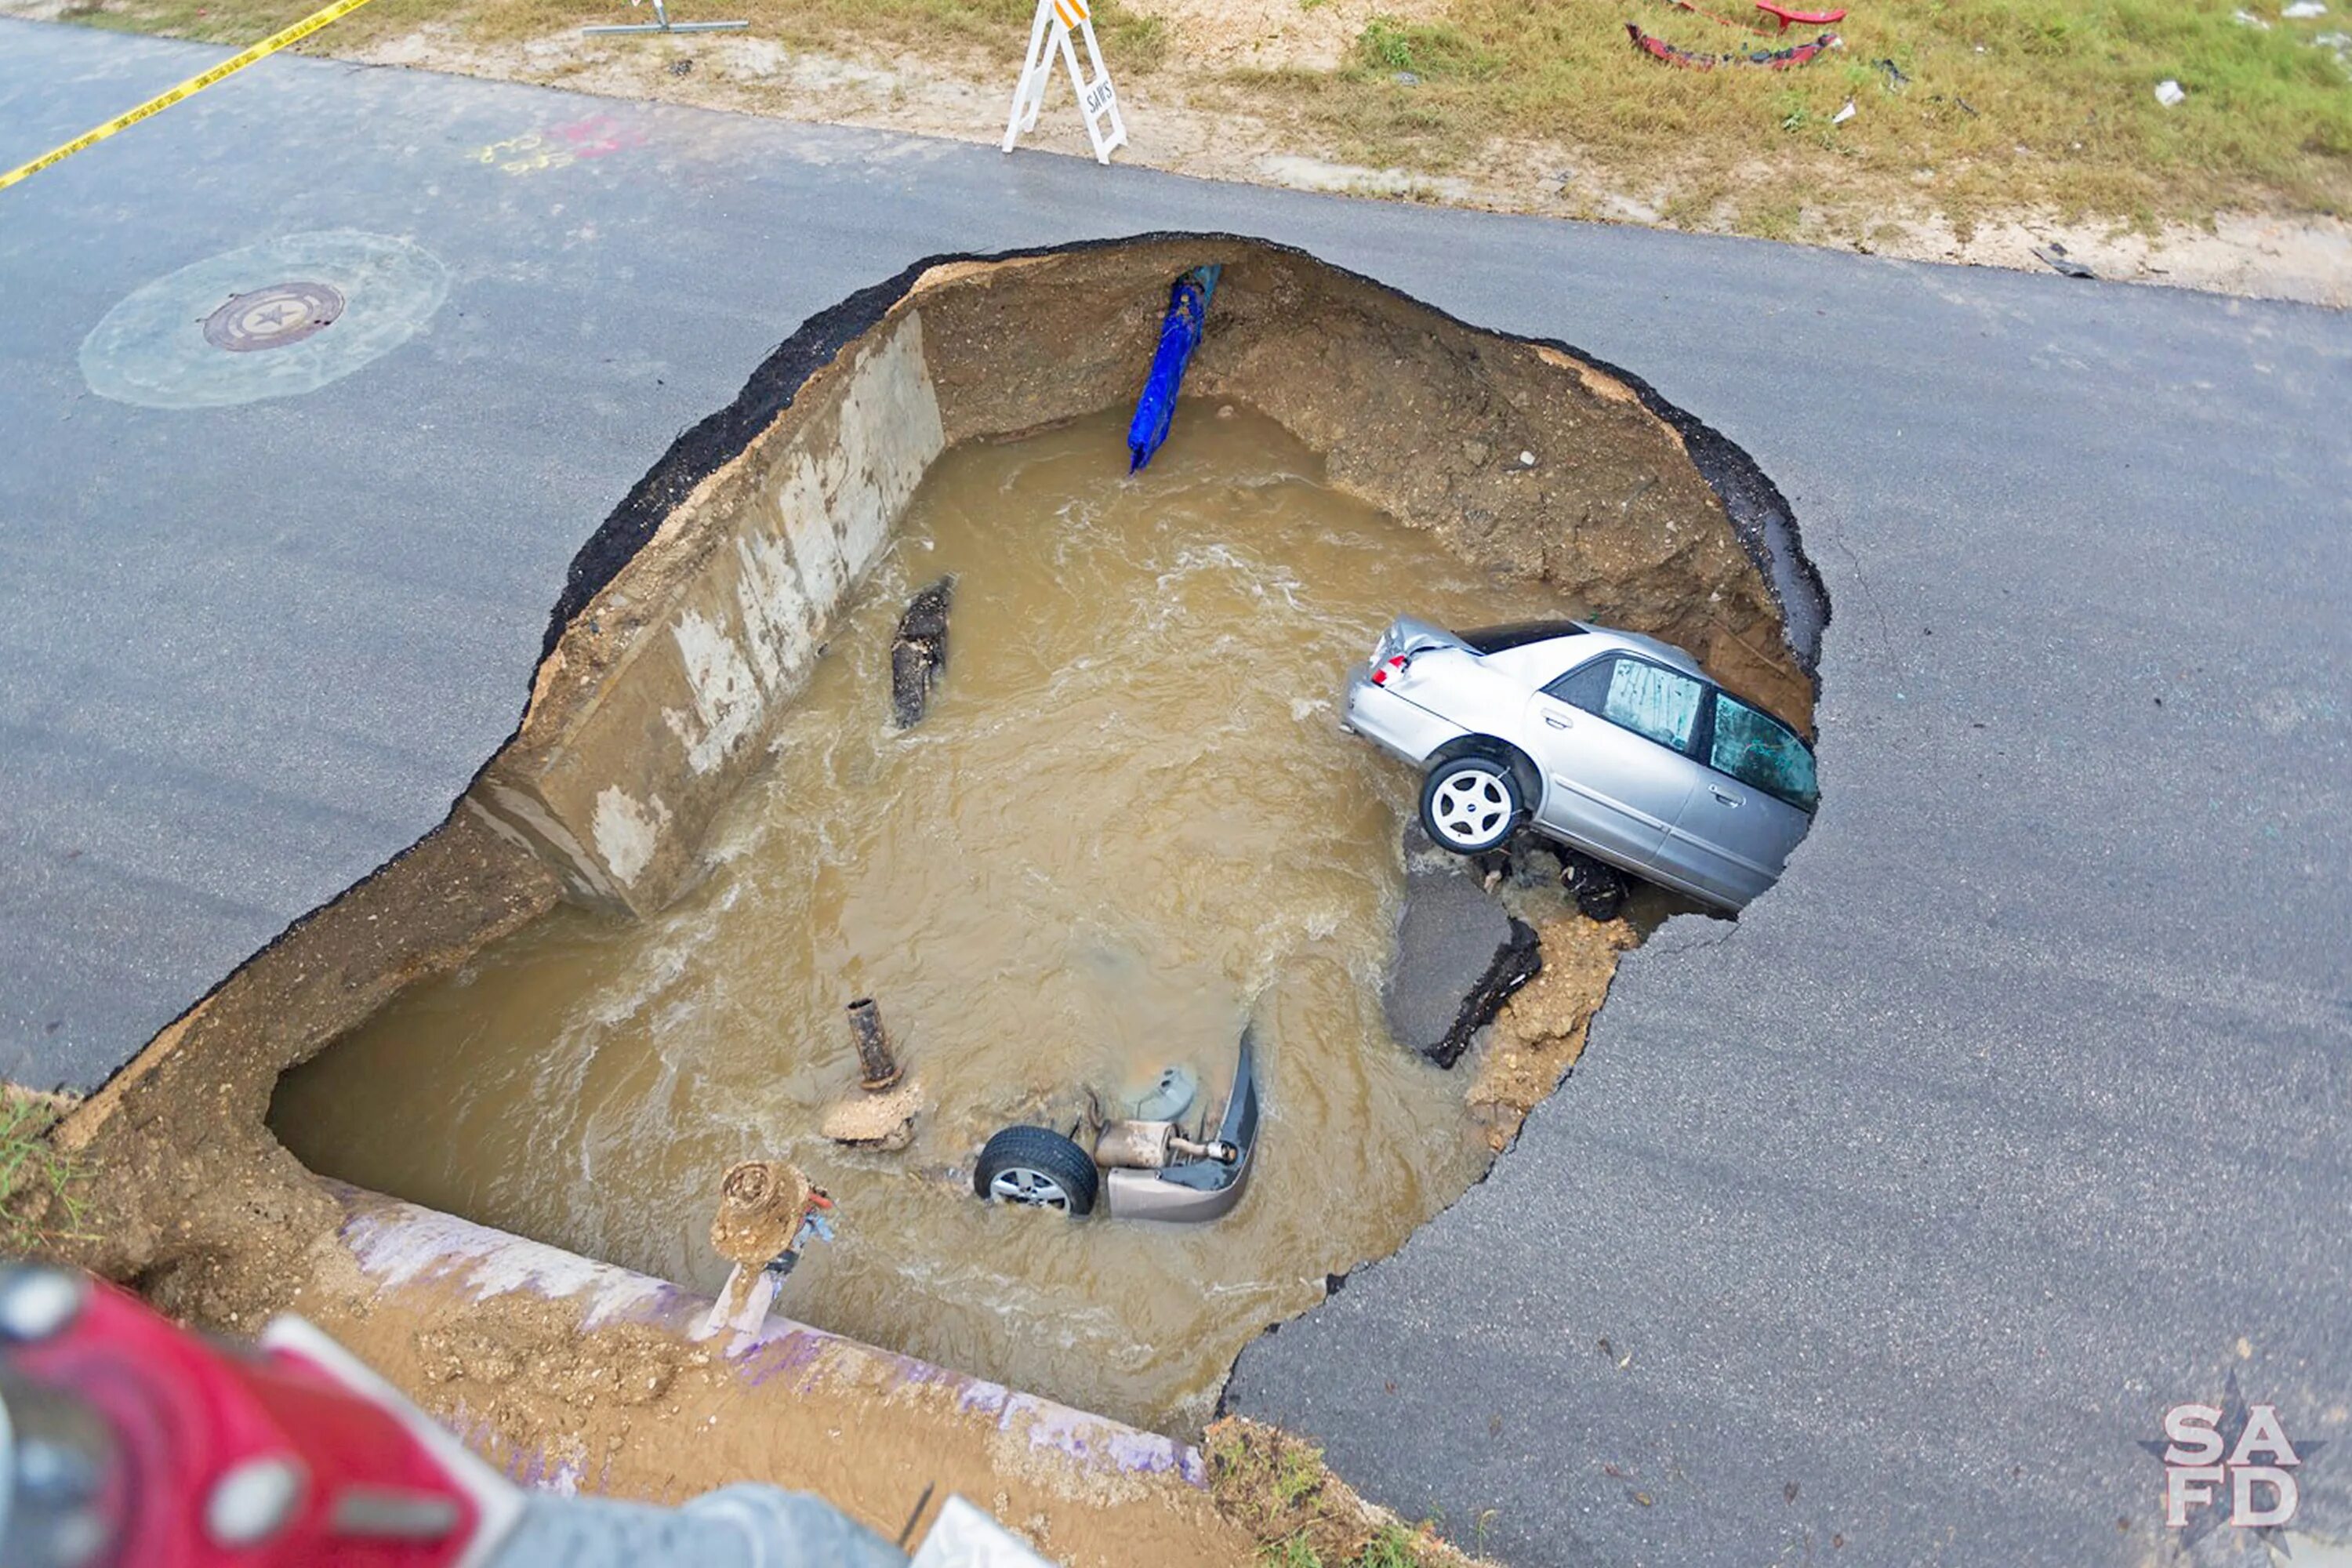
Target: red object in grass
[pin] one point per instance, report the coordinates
(1810, 18)
(1693, 59)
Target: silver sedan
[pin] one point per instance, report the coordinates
(1606, 741)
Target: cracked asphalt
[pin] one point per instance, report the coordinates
(1879, 1228)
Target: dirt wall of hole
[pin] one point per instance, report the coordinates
(692, 614)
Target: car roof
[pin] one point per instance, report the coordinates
(1664, 652)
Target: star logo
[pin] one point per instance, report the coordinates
(2230, 1464)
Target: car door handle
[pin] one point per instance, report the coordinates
(1556, 722)
(1726, 799)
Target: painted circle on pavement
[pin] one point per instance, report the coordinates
(321, 305)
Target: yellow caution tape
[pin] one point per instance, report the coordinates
(188, 89)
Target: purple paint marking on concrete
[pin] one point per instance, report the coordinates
(985, 1399)
(401, 1244)
(795, 1352)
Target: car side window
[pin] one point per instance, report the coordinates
(1756, 749)
(1649, 699)
(1586, 686)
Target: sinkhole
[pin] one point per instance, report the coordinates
(1127, 825)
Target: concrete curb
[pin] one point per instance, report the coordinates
(406, 1251)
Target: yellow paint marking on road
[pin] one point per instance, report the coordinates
(188, 89)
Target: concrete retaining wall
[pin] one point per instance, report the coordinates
(633, 1401)
(635, 737)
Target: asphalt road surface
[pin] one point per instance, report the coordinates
(1880, 1228)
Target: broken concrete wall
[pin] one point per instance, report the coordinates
(657, 701)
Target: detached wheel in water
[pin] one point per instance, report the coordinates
(1470, 805)
(1035, 1167)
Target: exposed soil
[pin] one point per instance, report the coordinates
(629, 1411)
(1540, 1032)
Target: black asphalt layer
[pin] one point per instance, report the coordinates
(1880, 1227)
(1458, 954)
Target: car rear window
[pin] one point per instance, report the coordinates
(1758, 750)
(1518, 634)
(1648, 698)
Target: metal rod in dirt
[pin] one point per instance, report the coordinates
(874, 1051)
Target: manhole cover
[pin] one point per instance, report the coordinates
(173, 343)
(273, 317)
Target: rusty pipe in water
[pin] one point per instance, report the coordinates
(873, 1052)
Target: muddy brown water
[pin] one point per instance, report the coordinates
(1129, 823)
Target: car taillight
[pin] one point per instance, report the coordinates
(1381, 673)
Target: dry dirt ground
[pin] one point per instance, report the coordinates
(1187, 114)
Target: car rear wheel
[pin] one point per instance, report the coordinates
(1035, 1167)
(1471, 804)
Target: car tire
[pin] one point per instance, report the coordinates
(1471, 804)
(1035, 1167)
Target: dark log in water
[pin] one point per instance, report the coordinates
(919, 652)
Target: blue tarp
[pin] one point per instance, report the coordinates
(1187, 308)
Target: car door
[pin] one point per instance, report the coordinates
(1751, 808)
(1610, 737)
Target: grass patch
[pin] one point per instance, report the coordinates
(1430, 51)
(1393, 1546)
(2059, 98)
(1277, 1486)
(1770, 217)
(1358, 116)
(1977, 107)
(41, 1202)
